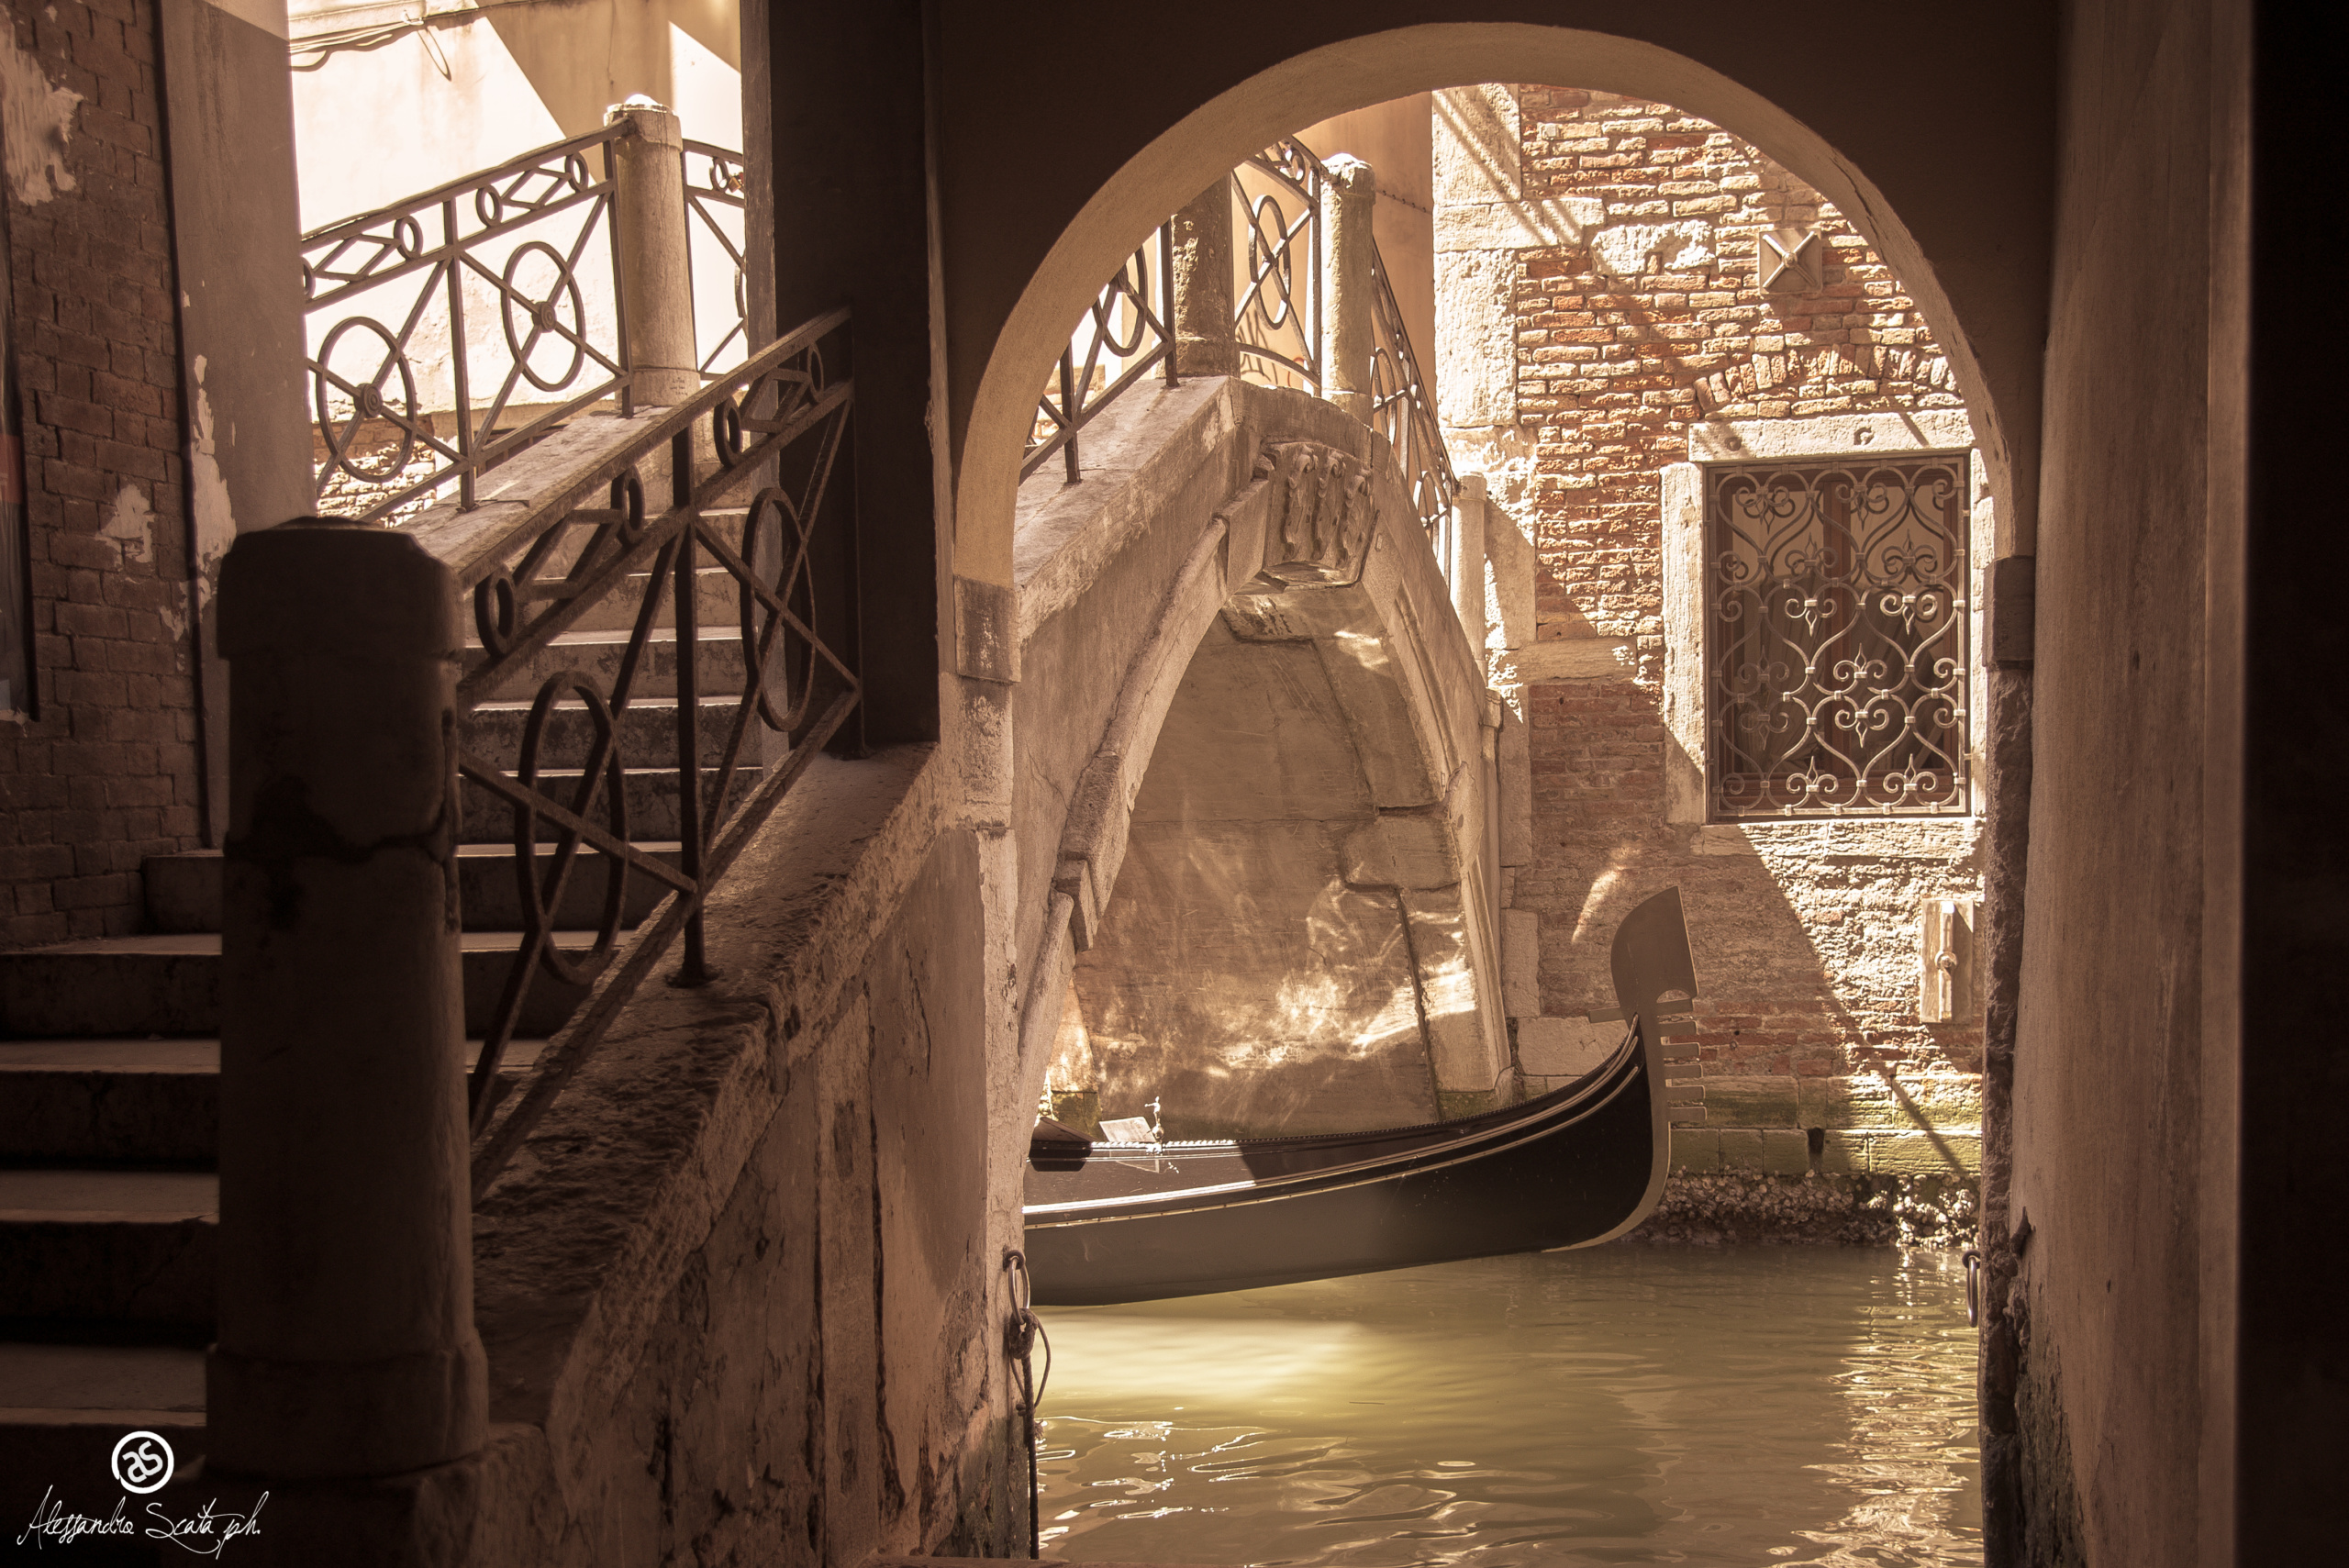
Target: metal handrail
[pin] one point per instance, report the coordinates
(534, 577)
(537, 214)
(1400, 409)
(1276, 323)
(1145, 344)
(720, 185)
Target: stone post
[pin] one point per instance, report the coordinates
(1347, 278)
(656, 275)
(1465, 570)
(346, 1339)
(1205, 344)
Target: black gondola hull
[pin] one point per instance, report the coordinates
(1110, 1223)
(1568, 1170)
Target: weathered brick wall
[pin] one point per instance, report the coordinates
(1648, 320)
(108, 772)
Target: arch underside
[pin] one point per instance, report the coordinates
(1276, 918)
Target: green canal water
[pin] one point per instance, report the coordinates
(1739, 1405)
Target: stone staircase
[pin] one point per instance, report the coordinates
(110, 1057)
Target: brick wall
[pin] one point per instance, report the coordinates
(1806, 933)
(108, 772)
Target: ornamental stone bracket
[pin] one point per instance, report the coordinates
(1319, 513)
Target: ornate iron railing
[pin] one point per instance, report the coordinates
(1277, 198)
(1836, 651)
(1277, 317)
(713, 189)
(394, 351)
(775, 425)
(1403, 413)
(522, 233)
(1131, 333)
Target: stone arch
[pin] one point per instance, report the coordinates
(1979, 278)
(1271, 851)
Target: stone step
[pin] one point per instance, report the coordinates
(121, 1246)
(648, 731)
(596, 657)
(718, 603)
(64, 1405)
(484, 818)
(169, 984)
(149, 1101)
(183, 890)
(109, 1099)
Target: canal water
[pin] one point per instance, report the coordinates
(1735, 1404)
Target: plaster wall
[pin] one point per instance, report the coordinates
(2109, 1305)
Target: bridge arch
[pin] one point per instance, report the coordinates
(1955, 206)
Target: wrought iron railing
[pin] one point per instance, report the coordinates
(1402, 411)
(409, 393)
(520, 234)
(713, 191)
(1128, 332)
(773, 426)
(1277, 198)
(1836, 637)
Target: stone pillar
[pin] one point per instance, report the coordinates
(1465, 570)
(656, 275)
(1203, 341)
(346, 1335)
(1348, 279)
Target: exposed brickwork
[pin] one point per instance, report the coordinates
(108, 775)
(1806, 951)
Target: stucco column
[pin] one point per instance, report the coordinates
(346, 1335)
(1203, 341)
(1348, 277)
(656, 275)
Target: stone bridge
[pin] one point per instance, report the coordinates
(1254, 764)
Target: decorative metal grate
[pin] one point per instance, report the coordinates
(390, 310)
(1836, 651)
(774, 426)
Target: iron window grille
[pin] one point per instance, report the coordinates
(1836, 653)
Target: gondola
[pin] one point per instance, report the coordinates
(1109, 1222)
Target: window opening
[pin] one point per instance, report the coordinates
(1836, 653)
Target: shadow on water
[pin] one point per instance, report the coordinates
(1629, 1405)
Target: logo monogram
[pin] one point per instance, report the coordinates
(142, 1462)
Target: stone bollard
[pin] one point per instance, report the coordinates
(1465, 568)
(346, 1341)
(656, 271)
(1205, 343)
(1349, 276)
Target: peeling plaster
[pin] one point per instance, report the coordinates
(36, 122)
(216, 525)
(130, 523)
(1622, 250)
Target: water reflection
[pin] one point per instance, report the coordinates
(1731, 1406)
